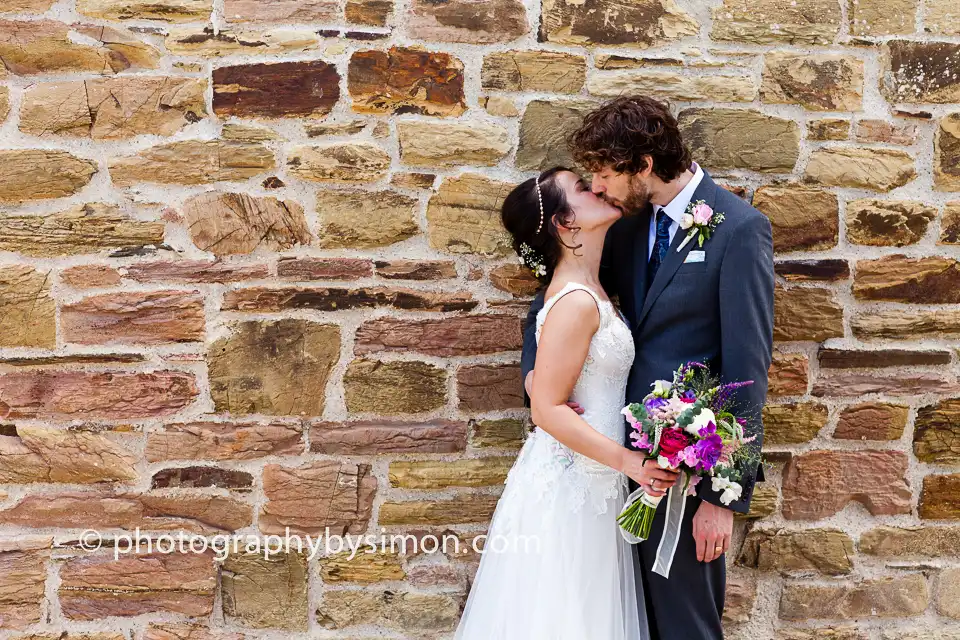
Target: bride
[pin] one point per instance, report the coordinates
(555, 566)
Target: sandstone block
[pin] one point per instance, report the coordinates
(464, 216)
(27, 311)
(902, 279)
(316, 495)
(825, 551)
(88, 228)
(818, 484)
(825, 82)
(364, 219)
(883, 598)
(209, 440)
(352, 162)
(265, 11)
(802, 218)
(466, 509)
(113, 108)
(887, 223)
(404, 80)
(94, 394)
(605, 22)
(94, 586)
(192, 512)
(861, 168)
(917, 72)
(544, 129)
(936, 435)
(44, 454)
(484, 387)
(455, 336)
(154, 317)
(806, 314)
(431, 144)
(435, 474)
(533, 71)
(946, 164)
(166, 10)
(467, 21)
(269, 366)
(203, 42)
(393, 388)
(307, 89)
(380, 436)
(266, 593)
(773, 22)
(872, 421)
(237, 223)
(741, 139)
(38, 174)
(792, 423)
(193, 162)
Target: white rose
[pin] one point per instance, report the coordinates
(702, 419)
(686, 221)
(664, 463)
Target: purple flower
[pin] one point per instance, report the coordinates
(654, 403)
(708, 450)
(709, 430)
(689, 396)
(741, 422)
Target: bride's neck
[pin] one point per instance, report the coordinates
(583, 264)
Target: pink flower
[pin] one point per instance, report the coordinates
(692, 487)
(629, 416)
(702, 213)
(689, 456)
(641, 440)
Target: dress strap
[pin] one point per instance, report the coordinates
(567, 288)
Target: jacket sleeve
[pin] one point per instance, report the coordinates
(746, 334)
(529, 355)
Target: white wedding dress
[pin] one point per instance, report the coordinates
(554, 565)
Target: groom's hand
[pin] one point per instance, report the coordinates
(712, 529)
(528, 385)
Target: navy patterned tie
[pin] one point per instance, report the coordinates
(660, 246)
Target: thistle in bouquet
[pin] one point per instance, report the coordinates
(686, 426)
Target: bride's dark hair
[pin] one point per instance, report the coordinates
(520, 215)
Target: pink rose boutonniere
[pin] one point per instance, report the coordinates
(700, 221)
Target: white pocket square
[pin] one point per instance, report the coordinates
(695, 256)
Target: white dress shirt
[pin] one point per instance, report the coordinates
(674, 209)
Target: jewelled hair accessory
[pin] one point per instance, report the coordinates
(536, 181)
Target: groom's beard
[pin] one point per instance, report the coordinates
(637, 199)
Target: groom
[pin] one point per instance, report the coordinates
(710, 304)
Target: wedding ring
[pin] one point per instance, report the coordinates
(718, 549)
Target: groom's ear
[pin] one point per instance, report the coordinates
(648, 166)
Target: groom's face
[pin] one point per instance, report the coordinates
(628, 192)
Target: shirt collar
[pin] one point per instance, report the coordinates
(678, 206)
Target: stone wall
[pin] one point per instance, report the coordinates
(251, 278)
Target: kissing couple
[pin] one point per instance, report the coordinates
(624, 236)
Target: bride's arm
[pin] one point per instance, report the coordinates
(564, 342)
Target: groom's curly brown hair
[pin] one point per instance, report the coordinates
(621, 132)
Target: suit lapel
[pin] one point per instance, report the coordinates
(707, 191)
(641, 248)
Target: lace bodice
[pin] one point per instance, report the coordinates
(600, 391)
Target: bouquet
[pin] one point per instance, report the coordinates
(685, 425)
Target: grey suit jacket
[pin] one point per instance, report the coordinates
(719, 311)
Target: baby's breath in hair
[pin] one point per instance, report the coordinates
(533, 262)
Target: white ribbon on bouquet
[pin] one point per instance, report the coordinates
(676, 506)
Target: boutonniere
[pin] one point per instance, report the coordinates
(701, 221)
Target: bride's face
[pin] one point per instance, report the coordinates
(592, 212)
